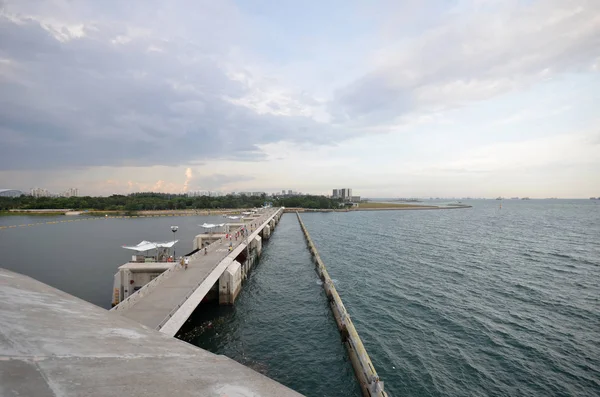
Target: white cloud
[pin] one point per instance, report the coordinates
(476, 53)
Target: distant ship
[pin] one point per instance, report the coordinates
(499, 198)
(514, 198)
(525, 198)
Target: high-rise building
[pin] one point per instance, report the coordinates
(345, 194)
(290, 192)
(283, 192)
(71, 192)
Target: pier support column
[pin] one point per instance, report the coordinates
(266, 232)
(230, 283)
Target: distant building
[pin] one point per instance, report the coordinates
(290, 192)
(344, 194)
(197, 193)
(10, 193)
(283, 192)
(355, 199)
(39, 192)
(205, 193)
(71, 192)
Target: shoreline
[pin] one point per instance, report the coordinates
(207, 212)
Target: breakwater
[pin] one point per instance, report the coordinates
(369, 381)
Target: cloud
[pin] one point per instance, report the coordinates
(565, 150)
(188, 177)
(148, 89)
(87, 92)
(476, 51)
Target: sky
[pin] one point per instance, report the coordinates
(477, 98)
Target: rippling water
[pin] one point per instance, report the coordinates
(482, 301)
(470, 302)
(281, 324)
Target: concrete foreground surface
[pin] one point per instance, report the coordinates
(54, 344)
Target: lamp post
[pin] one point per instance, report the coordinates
(174, 230)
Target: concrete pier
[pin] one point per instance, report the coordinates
(166, 304)
(53, 344)
(363, 368)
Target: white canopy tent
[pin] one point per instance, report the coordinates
(162, 248)
(212, 227)
(149, 245)
(233, 217)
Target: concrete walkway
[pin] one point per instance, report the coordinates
(55, 345)
(155, 307)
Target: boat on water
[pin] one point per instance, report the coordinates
(525, 198)
(514, 198)
(499, 198)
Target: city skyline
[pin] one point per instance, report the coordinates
(396, 100)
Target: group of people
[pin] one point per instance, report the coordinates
(234, 236)
(185, 261)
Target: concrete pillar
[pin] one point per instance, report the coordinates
(230, 283)
(266, 232)
(256, 244)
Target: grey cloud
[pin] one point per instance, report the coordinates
(88, 102)
(372, 97)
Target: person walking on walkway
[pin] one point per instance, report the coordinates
(187, 262)
(205, 251)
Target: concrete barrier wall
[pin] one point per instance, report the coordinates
(367, 377)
